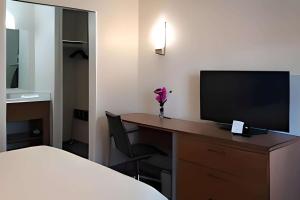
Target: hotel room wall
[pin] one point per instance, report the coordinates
(218, 35)
(116, 73)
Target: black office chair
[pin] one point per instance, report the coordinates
(136, 152)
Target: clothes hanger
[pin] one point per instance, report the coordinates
(81, 53)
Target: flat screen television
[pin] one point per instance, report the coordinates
(261, 99)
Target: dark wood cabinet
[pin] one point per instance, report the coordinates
(212, 169)
(37, 114)
(198, 182)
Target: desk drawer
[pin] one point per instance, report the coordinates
(200, 183)
(247, 165)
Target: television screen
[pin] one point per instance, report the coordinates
(261, 99)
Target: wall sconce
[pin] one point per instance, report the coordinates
(162, 49)
(159, 36)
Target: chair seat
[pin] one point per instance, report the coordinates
(144, 149)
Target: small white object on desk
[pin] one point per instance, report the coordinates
(237, 127)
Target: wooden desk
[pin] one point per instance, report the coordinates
(212, 164)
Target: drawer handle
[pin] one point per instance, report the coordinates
(216, 151)
(217, 177)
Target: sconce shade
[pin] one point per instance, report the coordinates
(160, 38)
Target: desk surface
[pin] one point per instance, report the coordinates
(266, 142)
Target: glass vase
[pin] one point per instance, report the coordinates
(161, 112)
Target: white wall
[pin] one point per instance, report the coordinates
(295, 102)
(214, 34)
(116, 73)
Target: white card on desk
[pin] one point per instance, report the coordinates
(237, 127)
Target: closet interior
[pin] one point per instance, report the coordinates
(75, 82)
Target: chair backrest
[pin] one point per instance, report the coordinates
(118, 132)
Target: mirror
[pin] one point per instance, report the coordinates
(30, 46)
(12, 58)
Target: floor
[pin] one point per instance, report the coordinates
(129, 170)
(77, 147)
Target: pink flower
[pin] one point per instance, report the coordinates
(161, 95)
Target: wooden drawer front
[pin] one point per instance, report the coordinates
(247, 165)
(200, 183)
(27, 111)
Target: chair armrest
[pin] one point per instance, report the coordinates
(128, 131)
(139, 158)
(132, 131)
(130, 128)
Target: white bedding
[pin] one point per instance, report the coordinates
(46, 173)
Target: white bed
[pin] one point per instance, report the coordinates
(46, 173)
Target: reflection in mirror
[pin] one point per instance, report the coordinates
(12, 58)
(30, 45)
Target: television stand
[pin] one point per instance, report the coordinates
(208, 163)
(255, 131)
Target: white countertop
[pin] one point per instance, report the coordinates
(22, 96)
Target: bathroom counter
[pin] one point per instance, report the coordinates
(27, 96)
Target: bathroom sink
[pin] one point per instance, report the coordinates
(27, 97)
(21, 96)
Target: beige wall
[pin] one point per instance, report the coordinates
(214, 34)
(117, 48)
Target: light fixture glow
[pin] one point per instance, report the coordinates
(10, 21)
(159, 37)
(162, 35)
